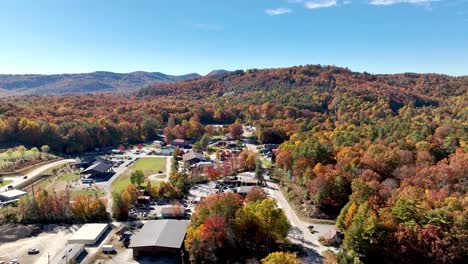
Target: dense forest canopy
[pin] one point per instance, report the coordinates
(385, 154)
(279, 101)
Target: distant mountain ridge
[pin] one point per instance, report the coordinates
(216, 72)
(99, 81)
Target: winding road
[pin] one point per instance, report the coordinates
(17, 180)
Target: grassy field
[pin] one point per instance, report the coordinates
(5, 182)
(58, 183)
(149, 166)
(28, 154)
(93, 192)
(7, 161)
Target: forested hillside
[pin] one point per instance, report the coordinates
(11, 84)
(385, 154)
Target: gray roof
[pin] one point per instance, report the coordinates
(70, 252)
(13, 194)
(99, 167)
(244, 189)
(161, 233)
(193, 155)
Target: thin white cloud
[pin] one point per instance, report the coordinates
(278, 11)
(320, 4)
(394, 2)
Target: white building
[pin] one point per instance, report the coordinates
(11, 196)
(88, 234)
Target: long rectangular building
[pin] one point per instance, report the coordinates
(69, 254)
(88, 234)
(159, 238)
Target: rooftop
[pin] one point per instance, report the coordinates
(13, 193)
(161, 233)
(89, 232)
(244, 189)
(193, 155)
(100, 167)
(70, 252)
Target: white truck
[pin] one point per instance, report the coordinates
(108, 249)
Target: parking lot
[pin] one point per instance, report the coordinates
(48, 243)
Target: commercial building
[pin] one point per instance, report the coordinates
(99, 167)
(193, 157)
(11, 196)
(159, 238)
(88, 234)
(69, 254)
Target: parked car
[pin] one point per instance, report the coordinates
(33, 251)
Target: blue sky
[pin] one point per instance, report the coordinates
(178, 37)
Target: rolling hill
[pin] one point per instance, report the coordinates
(37, 84)
(314, 87)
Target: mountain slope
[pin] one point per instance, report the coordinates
(314, 87)
(84, 82)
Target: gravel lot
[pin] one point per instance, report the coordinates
(48, 242)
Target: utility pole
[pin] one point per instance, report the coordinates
(68, 196)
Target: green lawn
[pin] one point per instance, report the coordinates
(5, 182)
(149, 166)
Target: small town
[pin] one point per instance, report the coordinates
(234, 132)
(156, 188)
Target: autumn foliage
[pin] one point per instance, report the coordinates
(224, 228)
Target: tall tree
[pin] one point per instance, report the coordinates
(137, 177)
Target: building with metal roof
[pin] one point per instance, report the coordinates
(159, 237)
(12, 195)
(69, 254)
(244, 190)
(193, 157)
(99, 167)
(88, 234)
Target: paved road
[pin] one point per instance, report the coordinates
(168, 169)
(35, 173)
(299, 234)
